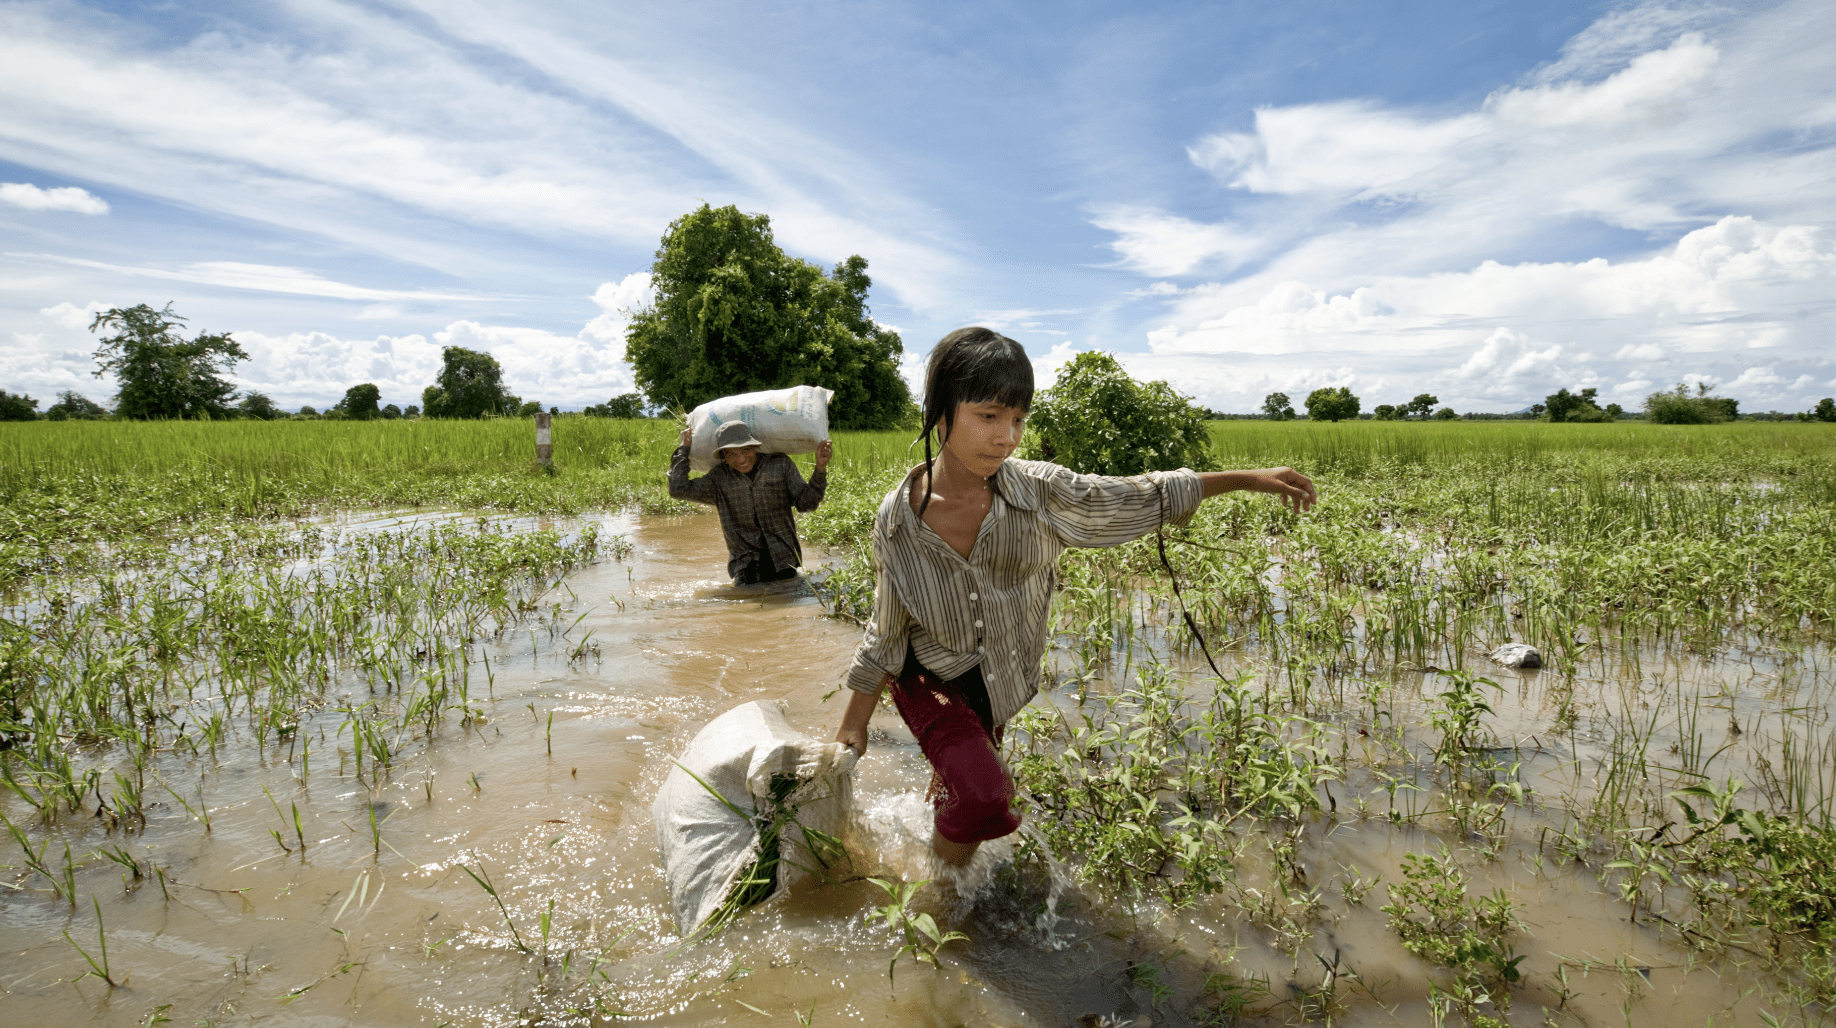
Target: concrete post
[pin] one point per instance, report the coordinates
(545, 443)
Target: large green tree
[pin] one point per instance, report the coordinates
(17, 407)
(361, 402)
(735, 314)
(162, 374)
(1677, 407)
(1328, 404)
(1563, 405)
(72, 405)
(259, 405)
(1097, 420)
(471, 385)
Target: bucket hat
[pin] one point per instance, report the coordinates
(734, 434)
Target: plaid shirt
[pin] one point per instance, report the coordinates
(992, 608)
(755, 510)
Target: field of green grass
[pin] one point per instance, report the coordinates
(1675, 753)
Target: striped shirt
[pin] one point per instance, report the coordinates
(755, 509)
(991, 609)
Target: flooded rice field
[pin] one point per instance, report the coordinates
(423, 798)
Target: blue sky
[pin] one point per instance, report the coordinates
(1482, 200)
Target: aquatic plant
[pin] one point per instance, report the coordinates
(922, 936)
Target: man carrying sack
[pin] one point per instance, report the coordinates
(754, 493)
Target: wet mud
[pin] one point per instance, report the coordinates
(506, 872)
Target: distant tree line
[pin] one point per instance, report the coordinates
(1675, 406)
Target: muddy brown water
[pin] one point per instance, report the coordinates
(557, 820)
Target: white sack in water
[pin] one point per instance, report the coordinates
(709, 850)
(790, 420)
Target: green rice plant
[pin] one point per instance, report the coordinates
(1233, 995)
(1460, 717)
(98, 966)
(922, 936)
(846, 590)
(546, 925)
(35, 860)
(483, 878)
(760, 879)
(1436, 920)
(121, 856)
(375, 828)
(1153, 780)
(359, 892)
(199, 813)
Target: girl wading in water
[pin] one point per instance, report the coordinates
(966, 555)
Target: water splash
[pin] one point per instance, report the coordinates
(895, 830)
(1049, 920)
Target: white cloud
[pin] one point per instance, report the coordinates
(1619, 37)
(1755, 380)
(548, 368)
(1509, 362)
(1390, 235)
(361, 125)
(617, 302)
(1162, 244)
(65, 198)
(70, 315)
(263, 277)
(317, 367)
(1350, 147)
(1281, 320)
(1046, 368)
(1501, 331)
(1022, 320)
(1560, 147)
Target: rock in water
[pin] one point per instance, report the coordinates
(1517, 655)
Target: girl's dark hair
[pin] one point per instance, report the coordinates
(971, 365)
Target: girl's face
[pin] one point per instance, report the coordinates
(985, 434)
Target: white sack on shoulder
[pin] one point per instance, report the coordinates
(790, 420)
(706, 847)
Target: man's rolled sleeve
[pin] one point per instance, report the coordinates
(807, 496)
(681, 487)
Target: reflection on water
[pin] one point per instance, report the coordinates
(545, 802)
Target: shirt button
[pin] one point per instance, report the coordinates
(973, 596)
(978, 624)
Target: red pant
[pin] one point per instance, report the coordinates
(976, 802)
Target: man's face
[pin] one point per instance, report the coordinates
(740, 458)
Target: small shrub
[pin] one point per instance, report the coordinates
(1097, 420)
(1436, 921)
(1678, 407)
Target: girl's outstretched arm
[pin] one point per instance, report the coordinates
(1295, 489)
